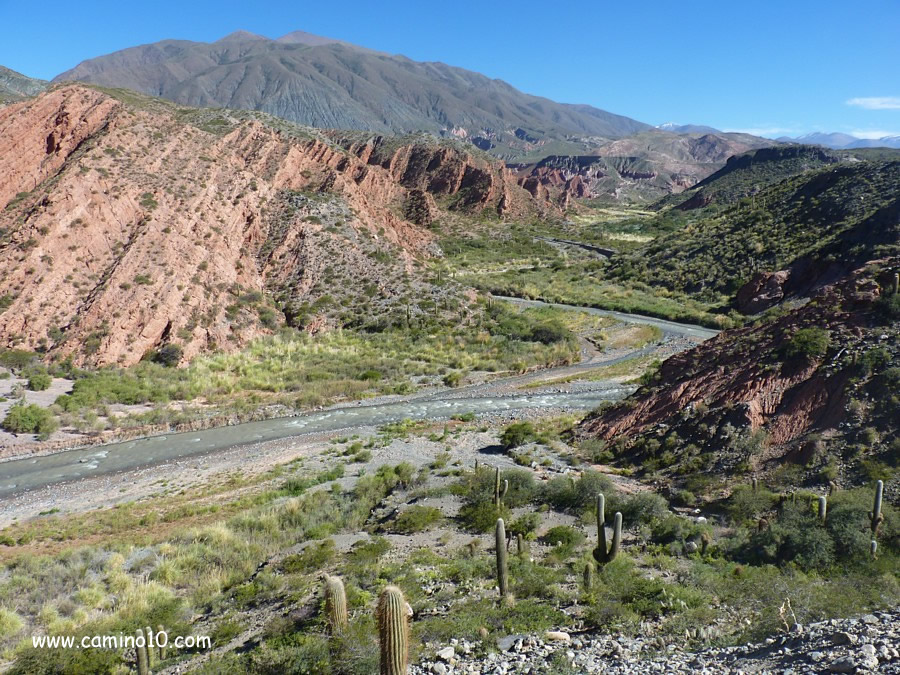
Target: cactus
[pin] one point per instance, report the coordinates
(142, 655)
(502, 572)
(604, 554)
(705, 541)
(876, 515)
(503, 492)
(588, 576)
(335, 605)
(873, 549)
(476, 466)
(755, 485)
(148, 632)
(520, 545)
(163, 651)
(832, 488)
(497, 486)
(823, 508)
(895, 283)
(762, 525)
(393, 631)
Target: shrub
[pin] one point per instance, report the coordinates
(525, 525)
(644, 507)
(313, 558)
(168, 355)
(516, 434)
(887, 308)
(809, 343)
(565, 536)
(578, 495)
(39, 380)
(745, 504)
(417, 519)
(30, 419)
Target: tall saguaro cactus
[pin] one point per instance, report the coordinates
(335, 605)
(823, 508)
(151, 654)
(393, 631)
(502, 572)
(603, 553)
(143, 656)
(876, 515)
(497, 486)
(163, 648)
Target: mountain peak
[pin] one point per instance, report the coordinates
(299, 37)
(241, 36)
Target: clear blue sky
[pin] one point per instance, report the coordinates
(771, 67)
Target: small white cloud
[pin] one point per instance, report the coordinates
(873, 134)
(877, 102)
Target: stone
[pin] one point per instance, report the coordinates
(557, 636)
(439, 669)
(843, 638)
(869, 662)
(845, 664)
(446, 653)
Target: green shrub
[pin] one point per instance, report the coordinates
(887, 308)
(577, 495)
(313, 558)
(168, 355)
(30, 419)
(39, 380)
(526, 524)
(416, 519)
(745, 504)
(643, 508)
(809, 343)
(565, 536)
(516, 434)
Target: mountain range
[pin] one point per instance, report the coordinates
(331, 84)
(840, 141)
(15, 86)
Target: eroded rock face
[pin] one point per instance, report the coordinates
(764, 290)
(122, 228)
(744, 378)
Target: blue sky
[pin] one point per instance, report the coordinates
(772, 68)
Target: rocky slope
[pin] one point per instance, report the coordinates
(746, 174)
(128, 224)
(754, 396)
(329, 84)
(866, 644)
(814, 227)
(642, 167)
(15, 86)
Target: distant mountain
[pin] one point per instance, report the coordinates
(746, 174)
(674, 128)
(839, 141)
(14, 86)
(325, 83)
(642, 167)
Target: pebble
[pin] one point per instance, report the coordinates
(866, 644)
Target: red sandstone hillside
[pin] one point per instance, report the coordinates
(126, 222)
(743, 400)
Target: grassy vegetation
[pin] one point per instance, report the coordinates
(839, 214)
(199, 553)
(297, 371)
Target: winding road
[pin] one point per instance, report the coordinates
(21, 475)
